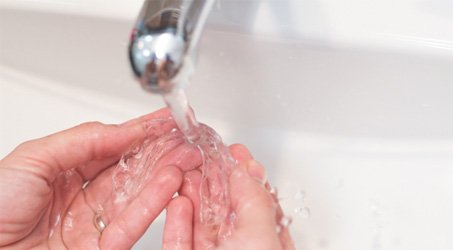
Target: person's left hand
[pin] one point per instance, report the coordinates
(40, 210)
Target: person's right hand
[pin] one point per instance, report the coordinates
(257, 212)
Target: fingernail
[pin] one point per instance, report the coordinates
(256, 171)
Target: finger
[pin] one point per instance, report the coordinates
(132, 223)
(178, 225)
(204, 237)
(161, 113)
(172, 149)
(256, 171)
(98, 192)
(240, 152)
(94, 168)
(78, 146)
(285, 237)
(254, 207)
(186, 156)
(76, 228)
(245, 160)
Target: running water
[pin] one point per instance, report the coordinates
(166, 137)
(216, 167)
(183, 114)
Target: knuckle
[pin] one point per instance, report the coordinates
(24, 146)
(94, 125)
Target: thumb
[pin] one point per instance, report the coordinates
(78, 146)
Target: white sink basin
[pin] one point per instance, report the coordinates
(348, 103)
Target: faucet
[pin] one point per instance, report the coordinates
(164, 40)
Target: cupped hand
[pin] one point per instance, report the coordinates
(257, 212)
(50, 188)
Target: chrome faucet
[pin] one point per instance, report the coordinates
(164, 40)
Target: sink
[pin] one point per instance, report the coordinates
(348, 104)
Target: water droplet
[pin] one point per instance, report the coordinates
(69, 222)
(273, 191)
(300, 195)
(286, 221)
(138, 155)
(304, 212)
(56, 221)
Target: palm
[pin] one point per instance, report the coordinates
(43, 202)
(72, 220)
(63, 214)
(256, 210)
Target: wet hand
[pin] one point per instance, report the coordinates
(45, 201)
(257, 212)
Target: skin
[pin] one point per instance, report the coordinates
(36, 201)
(257, 211)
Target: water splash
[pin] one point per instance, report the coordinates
(216, 167)
(293, 201)
(137, 166)
(300, 195)
(303, 212)
(286, 221)
(69, 222)
(283, 223)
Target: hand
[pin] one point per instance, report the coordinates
(39, 209)
(257, 212)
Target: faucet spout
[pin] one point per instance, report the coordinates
(163, 42)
